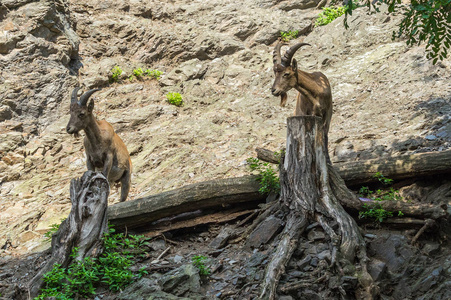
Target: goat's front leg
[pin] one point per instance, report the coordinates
(108, 164)
(89, 164)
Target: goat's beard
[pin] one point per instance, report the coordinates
(283, 99)
(76, 135)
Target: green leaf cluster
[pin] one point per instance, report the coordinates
(427, 21)
(375, 210)
(424, 21)
(116, 72)
(288, 35)
(153, 73)
(138, 73)
(81, 278)
(329, 14)
(53, 229)
(174, 99)
(267, 176)
(199, 262)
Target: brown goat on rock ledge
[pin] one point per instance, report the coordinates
(315, 96)
(105, 151)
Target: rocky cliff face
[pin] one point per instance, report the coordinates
(388, 99)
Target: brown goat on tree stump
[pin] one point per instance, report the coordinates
(105, 151)
(315, 95)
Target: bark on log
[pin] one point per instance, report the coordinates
(84, 228)
(209, 194)
(307, 196)
(398, 167)
(223, 192)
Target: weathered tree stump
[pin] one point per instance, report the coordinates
(83, 229)
(306, 197)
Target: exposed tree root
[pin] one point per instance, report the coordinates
(83, 229)
(308, 196)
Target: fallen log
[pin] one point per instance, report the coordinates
(215, 193)
(397, 167)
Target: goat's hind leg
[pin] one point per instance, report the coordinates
(125, 185)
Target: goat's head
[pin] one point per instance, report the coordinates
(285, 70)
(79, 111)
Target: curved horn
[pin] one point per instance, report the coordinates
(277, 59)
(85, 97)
(74, 98)
(286, 60)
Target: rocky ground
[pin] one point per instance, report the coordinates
(402, 270)
(388, 98)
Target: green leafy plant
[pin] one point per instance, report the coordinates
(116, 73)
(199, 263)
(138, 72)
(288, 35)
(425, 21)
(153, 73)
(375, 210)
(329, 14)
(267, 176)
(175, 99)
(382, 179)
(111, 269)
(53, 229)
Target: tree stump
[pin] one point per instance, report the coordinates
(309, 194)
(83, 229)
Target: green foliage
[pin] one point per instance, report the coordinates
(80, 278)
(199, 263)
(116, 72)
(153, 73)
(426, 21)
(175, 99)
(53, 229)
(329, 14)
(267, 176)
(382, 179)
(136, 73)
(288, 35)
(375, 209)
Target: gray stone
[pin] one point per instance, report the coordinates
(315, 235)
(431, 248)
(393, 249)
(184, 279)
(177, 259)
(325, 255)
(220, 241)
(264, 232)
(376, 269)
(141, 289)
(190, 70)
(285, 298)
(304, 262)
(297, 4)
(5, 113)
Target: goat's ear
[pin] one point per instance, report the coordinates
(91, 105)
(294, 65)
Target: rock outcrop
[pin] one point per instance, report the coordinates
(388, 99)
